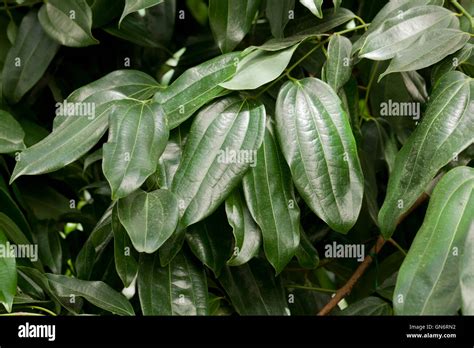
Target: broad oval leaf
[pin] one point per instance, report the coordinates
(149, 218)
(427, 50)
(278, 14)
(258, 68)
(180, 288)
(253, 289)
(28, 59)
(247, 234)
(11, 133)
(338, 68)
(96, 292)
(319, 147)
(314, 6)
(219, 150)
(196, 87)
(8, 276)
(136, 5)
(69, 22)
(137, 137)
(270, 198)
(428, 280)
(445, 130)
(467, 274)
(400, 32)
(231, 20)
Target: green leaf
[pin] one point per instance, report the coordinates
(137, 5)
(180, 288)
(149, 218)
(28, 59)
(314, 6)
(47, 238)
(137, 137)
(231, 20)
(445, 130)
(253, 289)
(104, 11)
(247, 234)
(199, 10)
(210, 240)
(428, 280)
(306, 253)
(451, 62)
(427, 50)
(467, 274)
(278, 14)
(96, 292)
(270, 198)
(319, 147)
(258, 68)
(338, 67)
(368, 306)
(223, 136)
(11, 133)
(196, 87)
(337, 4)
(307, 25)
(8, 277)
(402, 31)
(69, 22)
(125, 258)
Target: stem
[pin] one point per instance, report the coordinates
(22, 314)
(371, 81)
(396, 245)
(463, 11)
(361, 21)
(41, 309)
(352, 29)
(311, 288)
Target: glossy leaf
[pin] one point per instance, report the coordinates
(258, 68)
(368, 306)
(96, 292)
(179, 288)
(8, 277)
(306, 253)
(11, 134)
(136, 5)
(402, 31)
(231, 20)
(28, 59)
(467, 275)
(338, 68)
(428, 280)
(445, 130)
(314, 6)
(247, 234)
(278, 14)
(452, 62)
(149, 218)
(427, 50)
(307, 25)
(270, 198)
(69, 22)
(137, 137)
(196, 87)
(217, 154)
(318, 145)
(253, 289)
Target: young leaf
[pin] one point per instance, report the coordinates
(216, 155)
(314, 6)
(258, 68)
(402, 31)
(338, 68)
(28, 59)
(247, 234)
(278, 14)
(137, 137)
(98, 293)
(149, 218)
(467, 274)
(196, 87)
(270, 198)
(231, 20)
(428, 280)
(136, 5)
(319, 147)
(445, 130)
(11, 134)
(69, 22)
(253, 289)
(180, 288)
(8, 277)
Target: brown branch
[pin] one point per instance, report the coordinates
(347, 288)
